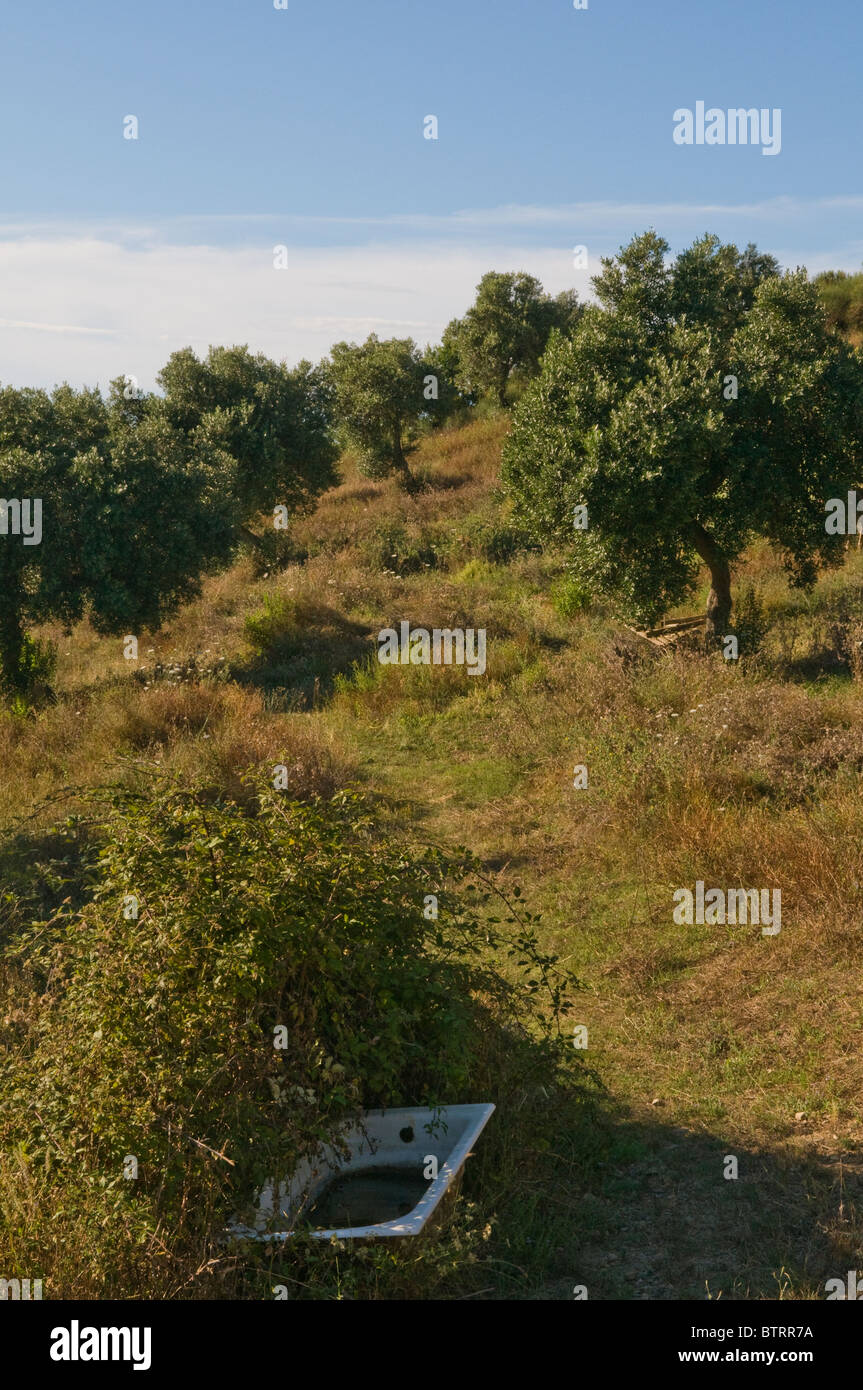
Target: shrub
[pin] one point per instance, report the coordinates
(750, 621)
(391, 548)
(275, 551)
(152, 1035)
(284, 624)
(569, 596)
(500, 541)
(36, 666)
(278, 621)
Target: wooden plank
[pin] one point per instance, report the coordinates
(669, 633)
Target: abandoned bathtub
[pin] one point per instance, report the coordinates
(391, 1178)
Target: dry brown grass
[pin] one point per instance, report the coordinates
(213, 731)
(739, 776)
(458, 466)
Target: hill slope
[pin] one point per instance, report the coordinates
(712, 1040)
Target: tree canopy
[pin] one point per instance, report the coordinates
(379, 396)
(273, 421)
(505, 331)
(131, 516)
(702, 403)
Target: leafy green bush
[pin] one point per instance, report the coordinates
(285, 623)
(278, 621)
(750, 621)
(569, 596)
(36, 666)
(274, 551)
(500, 541)
(144, 1022)
(390, 547)
(298, 645)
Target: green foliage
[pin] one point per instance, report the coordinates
(569, 596)
(274, 551)
(153, 1034)
(751, 623)
(279, 618)
(397, 549)
(390, 547)
(504, 332)
(499, 542)
(273, 422)
(132, 515)
(379, 399)
(629, 417)
(37, 663)
(297, 646)
(283, 624)
(441, 361)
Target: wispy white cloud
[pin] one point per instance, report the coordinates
(135, 305)
(175, 229)
(366, 323)
(92, 302)
(573, 214)
(58, 328)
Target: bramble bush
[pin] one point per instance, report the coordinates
(152, 1035)
(392, 549)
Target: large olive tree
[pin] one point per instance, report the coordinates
(703, 402)
(274, 421)
(129, 517)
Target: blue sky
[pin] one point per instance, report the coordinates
(304, 127)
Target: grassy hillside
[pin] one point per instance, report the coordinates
(708, 1041)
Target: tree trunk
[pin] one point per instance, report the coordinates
(400, 463)
(719, 598)
(249, 535)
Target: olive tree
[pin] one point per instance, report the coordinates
(129, 518)
(273, 421)
(703, 402)
(505, 332)
(380, 397)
